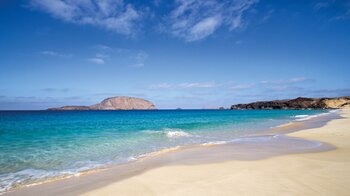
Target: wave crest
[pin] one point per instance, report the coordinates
(308, 117)
(170, 133)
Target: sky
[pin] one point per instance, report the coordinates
(175, 53)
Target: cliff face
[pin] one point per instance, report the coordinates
(115, 103)
(298, 103)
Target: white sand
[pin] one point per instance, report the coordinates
(323, 173)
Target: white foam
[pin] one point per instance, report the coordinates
(131, 159)
(172, 134)
(305, 117)
(23, 176)
(31, 177)
(215, 143)
(333, 111)
(301, 116)
(308, 117)
(151, 131)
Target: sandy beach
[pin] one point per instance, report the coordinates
(323, 173)
(240, 169)
(179, 97)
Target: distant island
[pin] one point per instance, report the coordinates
(296, 104)
(115, 103)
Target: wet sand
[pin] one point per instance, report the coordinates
(303, 162)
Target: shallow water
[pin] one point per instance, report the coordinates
(36, 145)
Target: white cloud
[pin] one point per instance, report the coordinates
(242, 86)
(184, 85)
(204, 28)
(114, 15)
(102, 47)
(50, 90)
(289, 81)
(190, 19)
(97, 61)
(50, 53)
(55, 54)
(102, 56)
(137, 65)
(342, 7)
(321, 5)
(103, 53)
(294, 80)
(128, 57)
(268, 15)
(286, 88)
(198, 85)
(197, 19)
(160, 86)
(140, 57)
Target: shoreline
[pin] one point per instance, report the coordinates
(317, 173)
(134, 168)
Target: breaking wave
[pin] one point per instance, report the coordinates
(170, 133)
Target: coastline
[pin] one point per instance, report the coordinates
(318, 173)
(101, 183)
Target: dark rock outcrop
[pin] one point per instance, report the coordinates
(298, 103)
(115, 103)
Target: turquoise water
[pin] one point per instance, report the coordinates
(36, 145)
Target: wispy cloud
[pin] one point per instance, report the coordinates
(321, 5)
(49, 90)
(34, 102)
(140, 57)
(285, 88)
(198, 85)
(55, 54)
(242, 86)
(332, 92)
(103, 47)
(204, 28)
(341, 9)
(268, 15)
(96, 60)
(114, 15)
(289, 81)
(184, 85)
(233, 86)
(137, 65)
(189, 19)
(103, 54)
(196, 19)
(160, 86)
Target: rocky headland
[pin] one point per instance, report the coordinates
(115, 103)
(296, 104)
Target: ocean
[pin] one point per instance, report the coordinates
(39, 145)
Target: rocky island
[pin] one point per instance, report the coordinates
(296, 104)
(115, 103)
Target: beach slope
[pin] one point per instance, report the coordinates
(321, 173)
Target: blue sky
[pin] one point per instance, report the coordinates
(175, 53)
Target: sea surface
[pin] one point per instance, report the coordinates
(40, 145)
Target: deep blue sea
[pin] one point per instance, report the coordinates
(37, 145)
